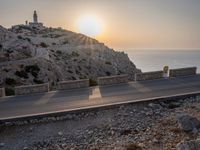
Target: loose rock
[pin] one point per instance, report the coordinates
(188, 123)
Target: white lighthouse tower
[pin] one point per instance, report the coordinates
(35, 23)
(35, 17)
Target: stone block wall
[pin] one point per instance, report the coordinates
(31, 89)
(183, 72)
(2, 92)
(149, 76)
(66, 85)
(113, 80)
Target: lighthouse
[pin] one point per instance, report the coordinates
(35, 17)
(35, 23)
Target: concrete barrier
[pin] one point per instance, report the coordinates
(2, 92)
(149, 76)
(67, 85)
(31, 89)
(183, 72)
(112, 80)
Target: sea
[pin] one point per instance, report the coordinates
(153, 60)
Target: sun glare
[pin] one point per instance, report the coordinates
(90, 25)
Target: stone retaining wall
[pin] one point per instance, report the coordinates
(30, 89)
(149, 76)
(182, 72)
(2, 92)
(66, 85)
(112, 80)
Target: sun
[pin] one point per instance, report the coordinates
(90, 25)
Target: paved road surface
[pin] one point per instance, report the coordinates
(63, 100)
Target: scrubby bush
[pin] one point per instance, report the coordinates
(65, 42)
(44, 45)
(93, 82)
(28, 39)
(133, 147)
(5, 70)
(82, 77)
(108, 63)
(9, 91)
(73, 78)
(38, 81)
(75, 54)
(70, 71)
(59, 52)
(33, 69)
(19, 37)
(10, 81)
(21, 74)
(108, 73)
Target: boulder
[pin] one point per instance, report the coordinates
(188, 123)
(189, 145)
(155, 106)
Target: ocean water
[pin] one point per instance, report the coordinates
(153, 60)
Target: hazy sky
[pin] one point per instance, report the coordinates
(128, 24)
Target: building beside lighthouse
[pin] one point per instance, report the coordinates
(35, 23)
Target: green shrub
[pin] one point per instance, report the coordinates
(21, 74)
(93, 82)
(73, 78)
(33, 69)
(75, 54)
(9, 91)
(82, 77)
(10, 81)
(35, 74)
(108, 63)
(5, 70)
(19, 37)
(66, 42)
(58, 52)
(38, 81)
(44, 45)
(173, 105)
(108, 73)
(133, 147)
(28, 39)
(70, 71)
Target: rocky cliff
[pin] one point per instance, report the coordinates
(33, 55)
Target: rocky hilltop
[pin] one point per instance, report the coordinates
(36, 55)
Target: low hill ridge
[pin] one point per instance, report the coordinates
(55, 54)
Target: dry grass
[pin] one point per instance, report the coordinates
(133, 147)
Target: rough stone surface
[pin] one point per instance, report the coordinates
(182, 72)
(188, 123)
(66, 85)
(189, 145)
(2, 92)
(146, 126)
(112, 80)
(30, 89)
(149, 76)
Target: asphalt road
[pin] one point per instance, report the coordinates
(95, 96)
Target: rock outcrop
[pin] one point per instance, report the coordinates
(59, 54)
(188, 123)
(189, 145)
